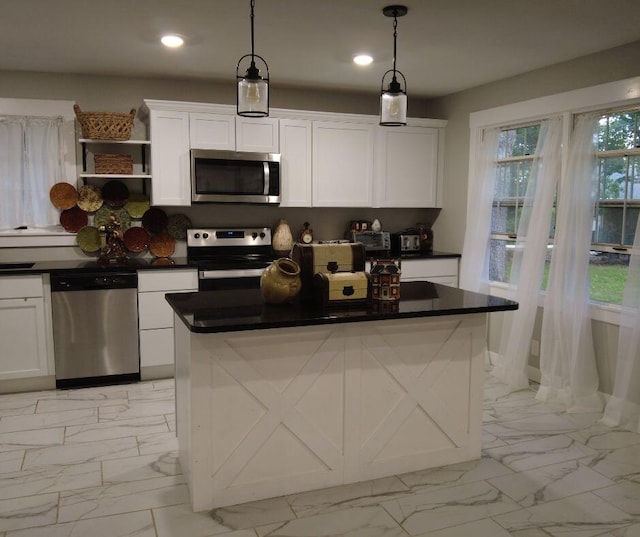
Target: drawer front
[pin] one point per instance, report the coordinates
(156, 347)
(168, 280)
(428, 268)
(21, 286)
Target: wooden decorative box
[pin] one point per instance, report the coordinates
(341, 288)
(326, 259)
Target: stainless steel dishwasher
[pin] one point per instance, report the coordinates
(95, 328)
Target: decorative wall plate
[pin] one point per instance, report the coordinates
(178, 225)
(63, 195)
(89, 198)
(136, 239)
(88, 238)
(74, 219)
(162, 245)
(155, 220)
(137, 205)
(115, 194)
(101, 217)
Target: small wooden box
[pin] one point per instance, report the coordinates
(326, 258)
(341, 288)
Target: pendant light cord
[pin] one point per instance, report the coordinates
(253, 4)
(395, 37)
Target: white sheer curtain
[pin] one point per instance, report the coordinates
(530, 256)
(623, 407)
(31, 162)
(474, 268)
(567, 358)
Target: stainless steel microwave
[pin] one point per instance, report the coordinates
(234, 177)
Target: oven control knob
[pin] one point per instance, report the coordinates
(254, 235)
(196, 235)
(205, 235)
(262, 235)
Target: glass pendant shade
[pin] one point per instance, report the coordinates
(253, 90)
(393, 104)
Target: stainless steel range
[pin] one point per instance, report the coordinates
(229, 258)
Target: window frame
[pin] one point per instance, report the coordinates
(602, 97)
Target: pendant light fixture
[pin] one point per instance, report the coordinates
(393, 100)
(253, 89)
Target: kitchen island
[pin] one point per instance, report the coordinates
(273, 400)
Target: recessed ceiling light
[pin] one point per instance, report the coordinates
(362, 59)
(172, 41)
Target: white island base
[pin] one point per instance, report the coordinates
(265, 413)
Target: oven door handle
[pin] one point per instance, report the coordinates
(229, 273)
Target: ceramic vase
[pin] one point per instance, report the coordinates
(282, 240)
(280, 281)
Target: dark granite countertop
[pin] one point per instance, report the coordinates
(236, 310)
(91, 265)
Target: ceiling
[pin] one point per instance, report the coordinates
(444, 46)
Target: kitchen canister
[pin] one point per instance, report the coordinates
(282, 240)
(280, 281)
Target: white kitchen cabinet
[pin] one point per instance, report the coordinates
(231, 133)
(156, 316)
(442, 270)
(407, 171)
(212, 131)
(295, 162)
(170, 164)
(23, 328)
(342, 164)
(260, 135)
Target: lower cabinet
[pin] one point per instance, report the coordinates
(443, 270)
(26, 350)
(156, 316)
(440, 270)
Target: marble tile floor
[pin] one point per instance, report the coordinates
(102, 462)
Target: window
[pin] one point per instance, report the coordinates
(615, 214)
(618, 179)
(516, 151)
(31, 161)
(618, 203)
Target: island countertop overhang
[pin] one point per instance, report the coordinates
(238, 310)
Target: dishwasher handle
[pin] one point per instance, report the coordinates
(93, 281)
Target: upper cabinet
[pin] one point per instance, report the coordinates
(233, 133)
(407, 167)
(295, 162)
(342, 164)
(327, 160)
(212, 131)
(170, 166)
(260, 135)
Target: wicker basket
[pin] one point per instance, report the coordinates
(105, 125)
(119, 164)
